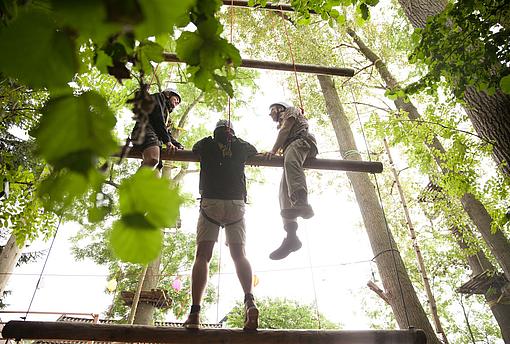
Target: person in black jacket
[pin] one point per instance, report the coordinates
(150, 137)
(223, 191)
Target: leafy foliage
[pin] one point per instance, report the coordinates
(282, 314)
(466, 45)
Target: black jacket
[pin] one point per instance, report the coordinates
(223, 177)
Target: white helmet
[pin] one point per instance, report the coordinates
(174, 91)
(284, 104)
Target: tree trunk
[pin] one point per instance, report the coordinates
(145, 311)
(417, 250)
(479, 263)
(497, 242)
(11, 253)
(490, 115)
(401, 294)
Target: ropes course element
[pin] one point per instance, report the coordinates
(42, 270)
(149, 334)
(277, 161)
(293, 61)
(272, 65)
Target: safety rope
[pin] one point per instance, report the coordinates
(293, 60)
(42, 270)
(229, 133)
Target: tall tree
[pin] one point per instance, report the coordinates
(497, 241)
(489, 113)
(399, 289)
(282, 314)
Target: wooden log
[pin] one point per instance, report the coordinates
(273, 65)
(277, 161)
(268, 6)
(41, 330)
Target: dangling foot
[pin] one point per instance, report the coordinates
(251, 316)
(290, 244)
(193, 321)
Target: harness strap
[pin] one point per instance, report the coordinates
(208, 218)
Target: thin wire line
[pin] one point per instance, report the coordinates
(384, 213)
(42, 270)
(313, 278)
(293, 61)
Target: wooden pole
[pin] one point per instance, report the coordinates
(273, 65)
(416, 246)
(260, 160)
(136, 296)
(267, 6)
(149, 334)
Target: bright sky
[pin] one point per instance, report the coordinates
(332, 266)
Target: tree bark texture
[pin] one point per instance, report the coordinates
(145, 311)
(401, 294)
(11, 253)
(497, 242)
(490, 115)
(479, 263)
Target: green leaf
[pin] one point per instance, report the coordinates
(149, 51)
(146, 193)
(103, 61)
(365, 13)
(224, 84)
(188, 47)
(35, 52)
(75, 131)
(504, 83)
(135, 244)
(60, 190)
(161, 16)
(88, 18)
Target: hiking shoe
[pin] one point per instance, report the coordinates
(251, 316)
(299, 210)
(193, 321)
(290, 244)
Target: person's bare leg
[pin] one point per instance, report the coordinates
(199, 276)
(244, 273)
(150, 156)
(243, 267)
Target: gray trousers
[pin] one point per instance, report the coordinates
(293, 177)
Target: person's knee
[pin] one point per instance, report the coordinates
(237, 252)
(151, 161)
(204, 252)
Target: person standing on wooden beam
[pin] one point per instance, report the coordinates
(222, 187)
(296, 144)
(150, 135)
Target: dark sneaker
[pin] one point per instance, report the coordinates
(305, 211)
(193, 321)
(289, 245)
(251, 316)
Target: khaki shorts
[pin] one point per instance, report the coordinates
(224, 212)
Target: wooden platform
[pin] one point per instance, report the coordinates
(277, 161)
(137, 333)
(157, 297)
(480, 284)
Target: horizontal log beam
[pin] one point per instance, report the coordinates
(277, 161)
(272, 65)
(42, 330)
(268, 6)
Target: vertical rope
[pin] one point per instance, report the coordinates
(42, 270)
(219, 278)
(293, 61)
(313, 280)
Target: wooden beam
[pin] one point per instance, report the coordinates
(149, 334)
(268, 6)
(260, 160)
(272, 65)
